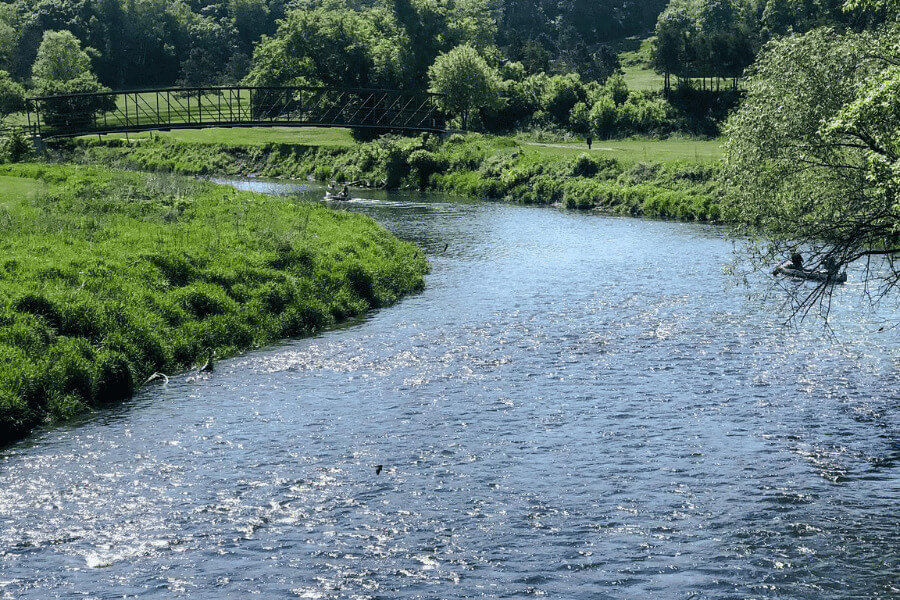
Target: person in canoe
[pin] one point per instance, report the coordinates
(794, 268)
(332, 192)
(796, 262)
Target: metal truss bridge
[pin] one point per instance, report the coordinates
(196, 108)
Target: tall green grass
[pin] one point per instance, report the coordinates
(107, 277)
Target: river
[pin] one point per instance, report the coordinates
(577, 406)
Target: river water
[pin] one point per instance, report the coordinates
(577, 406)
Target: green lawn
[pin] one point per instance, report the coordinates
(689, 150)
(14, 189)
(330, 137)
(641, 78)
(634, 55)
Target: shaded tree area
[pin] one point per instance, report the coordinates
(559, 36)
(718, 39)
(138, 43)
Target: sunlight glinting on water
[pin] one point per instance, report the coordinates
(576, 406)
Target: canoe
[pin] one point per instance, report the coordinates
(336, 196)
(811, 275)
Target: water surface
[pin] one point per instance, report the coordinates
(577, 406)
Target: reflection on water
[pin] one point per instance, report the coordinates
(576, 406)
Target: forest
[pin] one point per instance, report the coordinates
(503, 65)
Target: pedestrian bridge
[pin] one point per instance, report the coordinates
(239, 106)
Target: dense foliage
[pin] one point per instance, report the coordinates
(813, 158)
(718, 39)
(158, 42)
(108, 277)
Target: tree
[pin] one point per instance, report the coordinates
(12, 96)
(9, 37)
(62, 68)
(334, 46)
(251, 19)
(60, 59)
(465, 81)
(813, 158)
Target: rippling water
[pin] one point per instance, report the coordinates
(576, 407)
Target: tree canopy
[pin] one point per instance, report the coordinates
(813, 153)
(465, 80)
(60, 59)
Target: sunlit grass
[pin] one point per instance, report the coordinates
(662, 151)
(108, 276)
(326, 137)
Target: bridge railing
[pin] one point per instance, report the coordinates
(189, 108)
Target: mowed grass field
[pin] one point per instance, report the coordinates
(15, 189)
(671, 150)
(327, 137)
(662, 151)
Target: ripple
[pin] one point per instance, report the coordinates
(564, 411)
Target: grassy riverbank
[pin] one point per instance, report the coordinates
(668, 178)
(107, 277)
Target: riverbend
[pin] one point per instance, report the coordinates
(577, 406)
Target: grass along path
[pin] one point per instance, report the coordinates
(323, 137)
(107, 277)
(633, 151)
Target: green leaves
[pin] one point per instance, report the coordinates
(811, 156)
(465, 80)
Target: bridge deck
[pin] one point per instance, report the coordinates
(193, 108)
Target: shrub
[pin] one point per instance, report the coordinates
(561, 95)
(604, 117)
(617, 89)
(580, 118)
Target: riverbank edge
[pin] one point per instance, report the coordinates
(476, 166)
(109, 277)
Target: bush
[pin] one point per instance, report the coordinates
(561, 95)
(16, 146)
(580, 118)
(617, 89)
(425, 164)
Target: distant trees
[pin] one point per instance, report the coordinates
(710, 39)
(563, 37)
(718, 39)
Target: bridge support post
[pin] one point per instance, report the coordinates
(39, 144)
